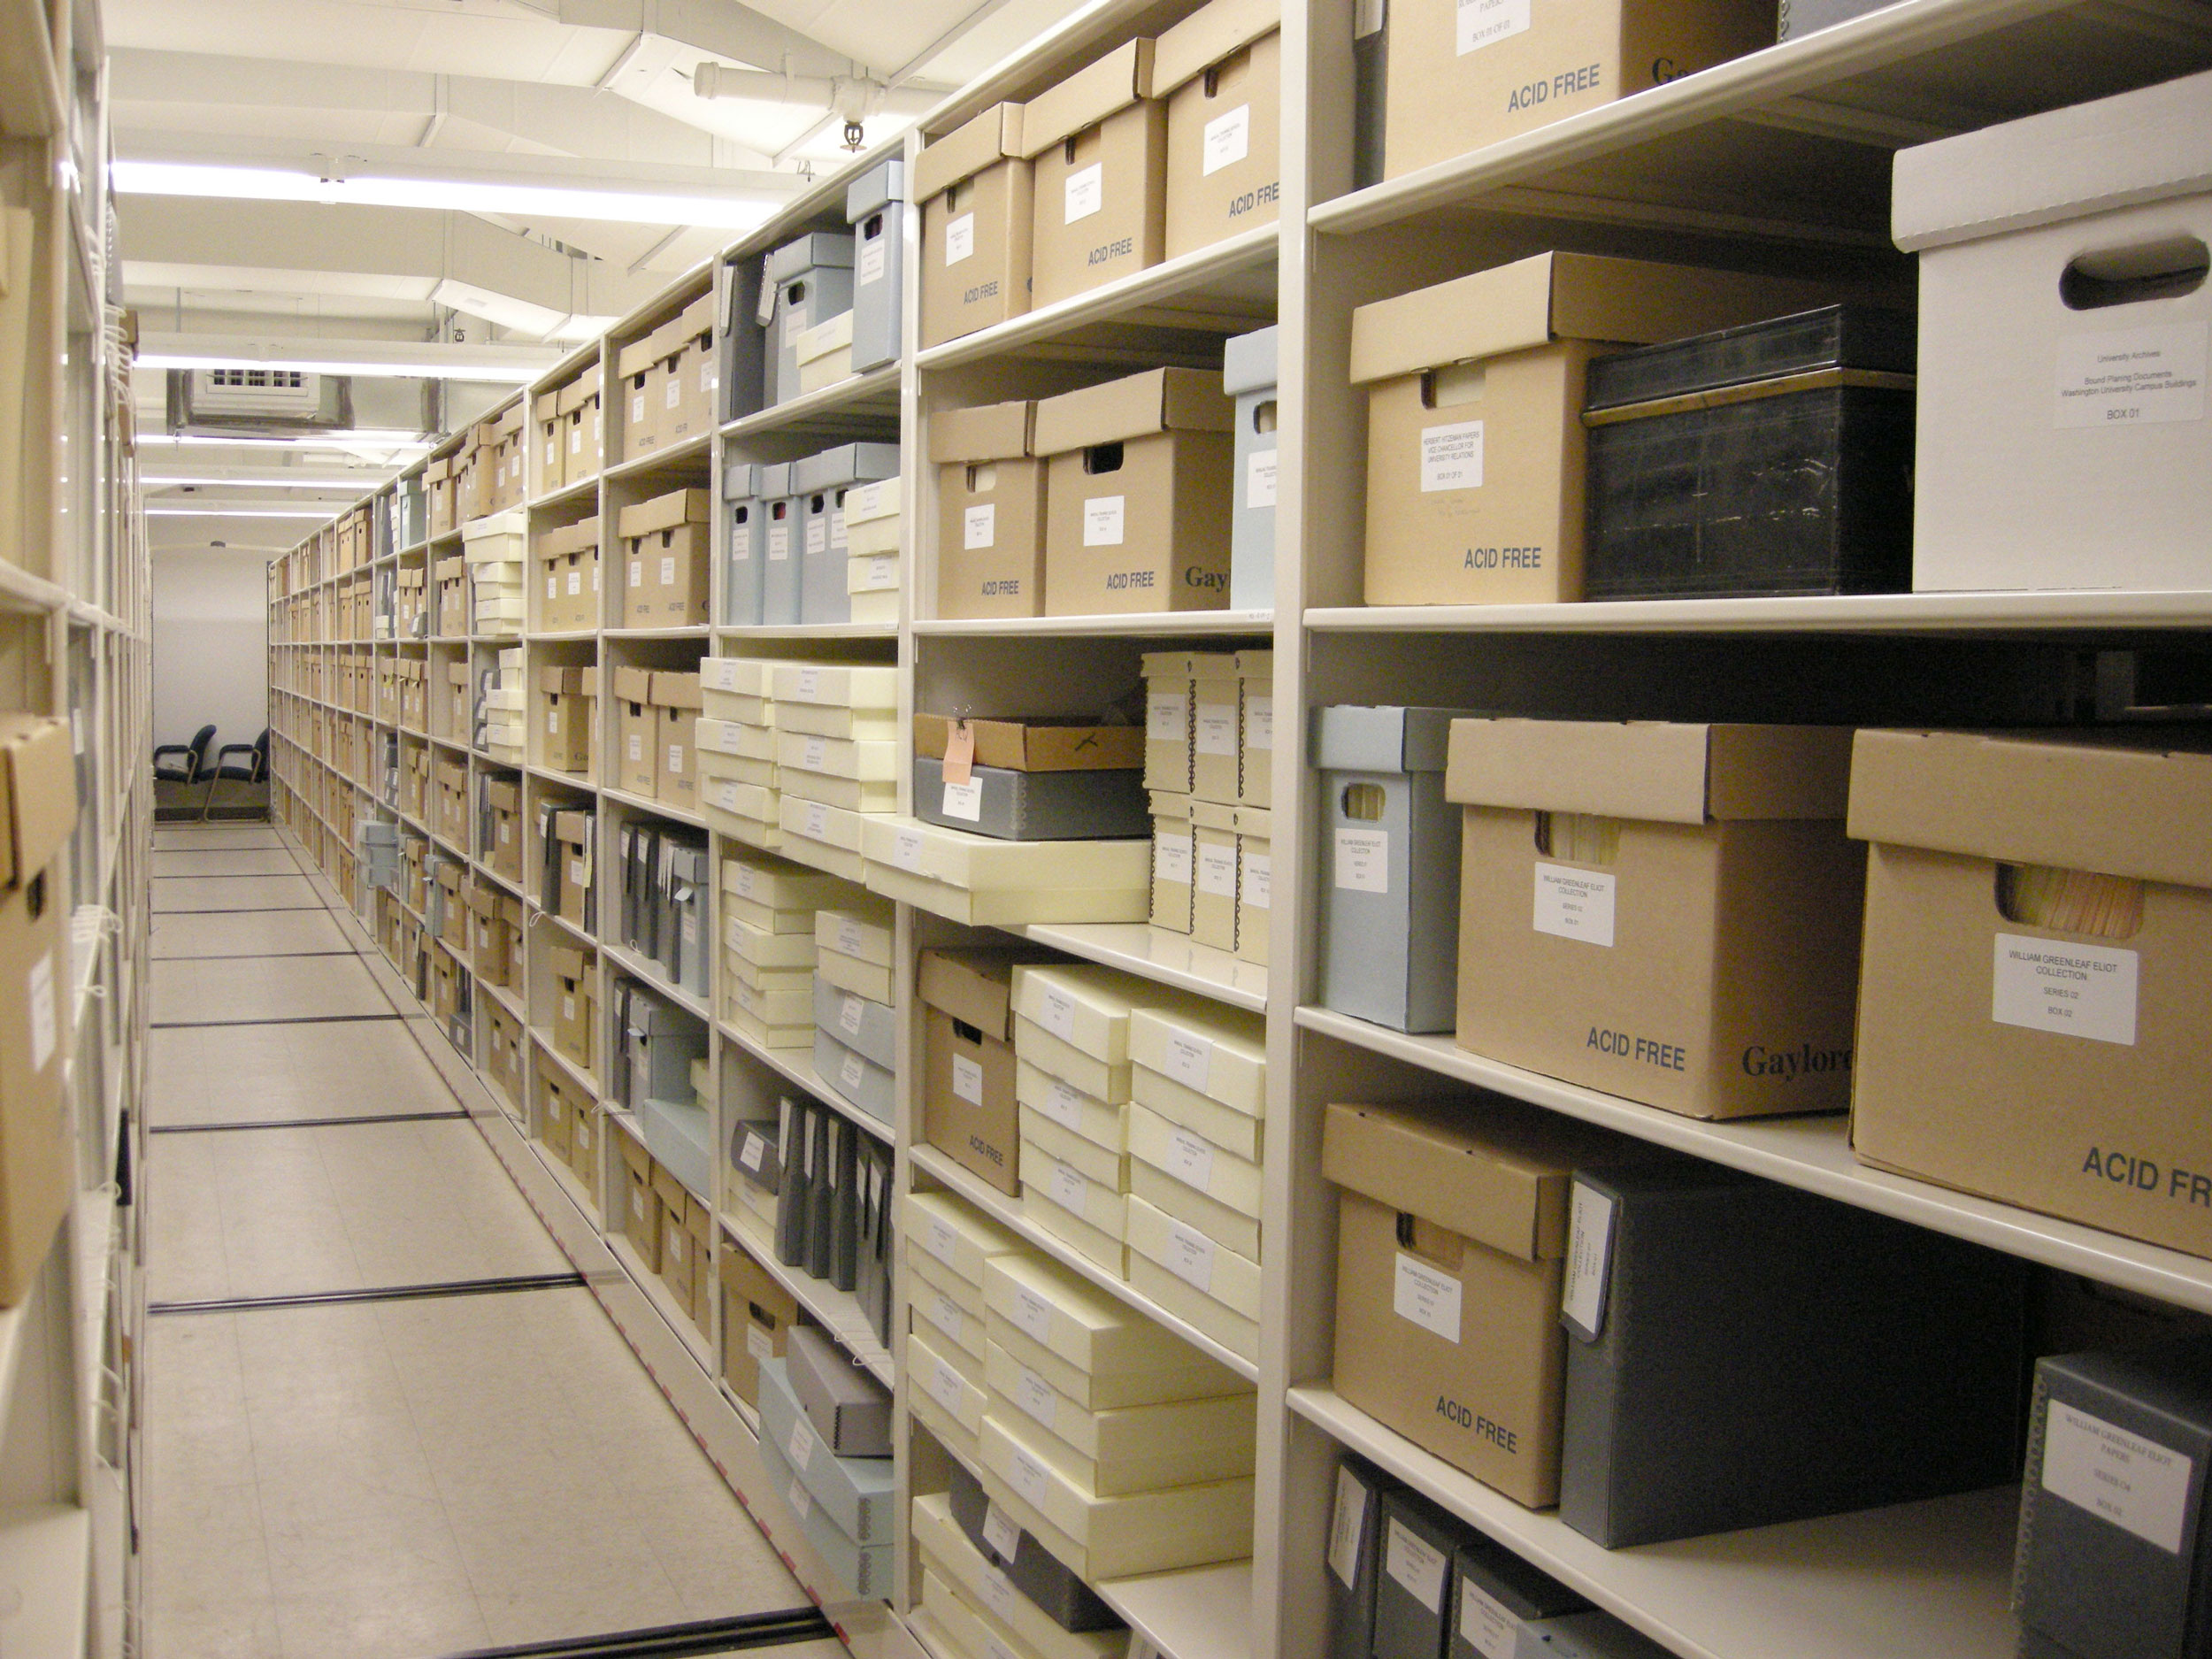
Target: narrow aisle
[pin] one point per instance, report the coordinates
(337, 1471)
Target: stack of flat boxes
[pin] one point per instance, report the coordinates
(1198, 1090)
(736, 735)
(499, 717)
(1210, 733)
(947, 1245)
(1121, 1449)
(855, 1026)
(871, 551)
(1072, 1031)
(837, 759)
(975, 1608)
(495, 550)
(826, 1446)
(768, 949)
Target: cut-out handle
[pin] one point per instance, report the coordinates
(2069, 901)
(1363, 801)
(1263, 417)
(1102, 457)
(2167, 269)
(1453, 384)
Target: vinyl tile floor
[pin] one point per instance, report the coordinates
(404, 1478)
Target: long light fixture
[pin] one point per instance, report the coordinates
(346, 438)
(158, 511)
(512, 199)
(409, 364)
(370, 476)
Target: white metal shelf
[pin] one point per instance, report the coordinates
(808, 630)
(858, 405)
(837, 1311)
(1917, 1579)
(796, 1066)
(1147, 623)
(649, 974)
(2040, 611)
(578, 490)
(1813, 1153)
(656, 1292)
(655, 806)
(688, 455)
(1154, 954)
(45, 1566)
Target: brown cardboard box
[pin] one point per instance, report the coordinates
(664, 544)
(2059, 1068)
(678, 1268)
(640, 379)
(1474, 414)
(968, 1106)
(974, 187)
(574, 1003)
(503, 798)
(549, 451)
(1451, 1230)
(1221, 71)
(699, 1223)
(488, 942)
(1707, 962)
(637, 732)
(586, 1128)
(453, 599)
(687, 400)
(567, 746)
(1464, 76)
(1053, 744)
(557, 1117)
(567, 560)
(38, 809)
(641, 1204)
(439, 482)
(1137, 495)
(990, 512)
(756, 1315)
(580, 431)
(572, 829)
(676, 733)
(1098, 144)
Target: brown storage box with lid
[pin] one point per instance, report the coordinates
(1098, 144)
(665, 545)
(974, 187)
(38, 809)
(990, 512)
(1220, 70)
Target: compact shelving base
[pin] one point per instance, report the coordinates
(1799, 138)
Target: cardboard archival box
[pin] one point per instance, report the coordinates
(581, 427)
(875, 207)
(973, 184)
(639, 377)
(665, 546)
(567, 719)
(637, 732)
(825, 353)
(1220, 70)
(1049, 743)
(675, 733)
(1463, 76)
(573, 1009)
(38, 809)
(2055, 1067)
(1452, 1231)
(990, 512)
(968, 1106)
(1137, 493)
(1098, 143)
(1474, 413)
(1679, 902)
(688, 399)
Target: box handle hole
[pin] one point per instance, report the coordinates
(2167, 269)
(1454, 384)
(1405, 1230)
(1363, 801)
(982, 479)
(1102, 457)
(967, 1033)
(2069, 901)
(1263, 417)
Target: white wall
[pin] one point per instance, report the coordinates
(211, 657)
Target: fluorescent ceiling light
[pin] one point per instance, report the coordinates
(362, 368)
(521, 316)
(345, 438)
(369, 476)
(514, 200)
(576, 329)
(160, 511)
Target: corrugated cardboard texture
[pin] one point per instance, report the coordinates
(663, 512)
(968, 148)
(976, 237)
(1087, 97)
(1099, 208)
(38, 793)
(1655, 770)
(1046, 744)
(989, 432)
(1488, 1168)
(1224, 144)
(1207, 36)
(1158, 400)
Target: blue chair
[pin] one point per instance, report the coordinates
(184, 763)
(253, 768)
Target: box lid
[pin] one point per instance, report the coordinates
(580, 391)
(502, 794)
(976, 987)
(634, 685)
(878, 188)
(1560, 296)
(816, 249)
(590, 687)
(663, 512)
(980, 143)
(1158, 400)
(697, 318)
(1088, 96)
(675, 690)
(1347, 737)
(514, 521)
(1489, 1168)
(832, 333)
(1667, 772)
(1049, 743)
(2124, 807)
(815, 1366)
(775, 480)
(2147, 145)
(639, 356)
(740, 481)
(508, 421)
(572, 825)
(1777, 348)
(546, 405)
(988, 432)
(1249, 361)
(1208, 35)
(847, 464)
(38, 774)
(568, 962)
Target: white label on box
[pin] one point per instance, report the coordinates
(809, 684)
(2137, 1485)
(967, 1079)
(1574, 905)
(637, 408)
(668, 572)
(1217, 732)
(1417, 1566)
(906, 849)
(1217, 869)
(1451, 456)
(576, 439)
(1033, 1314)
(816, 825)
(1103, 521)
(810, 757)
(1259, 478)
(837, 526)
(779, 542)
(998, 1593)
(964, 800)
(1034, 1395)
(2076, 990)
(959, 238)
(1057, 1014)
(1190, 1159)
(1063, 1105)
(675, 392)
(1167, 717)
(748, 879)
(943, 1312)
(1069, 1188)
(45, 1028)
(947, 1386)
(756, 1149)
(568, 1008)
(880, 573)
(758, 1343)
(802, 1444)
(1258, 875)
(1171, 859)
(850, 1070)
(1259, 722)
(576, 582)
(1427, 1297)
(1187, 1060)
(552, 585)
(1190, 1257)
(675, 766)
(2131, 376)
(978, 527)
(1487, 22)
(802, 1500)
(999, 1532)
(1363, 860)
(870, 268)
(1589, 1247)
(1484, 1624)
(1346, 1523)
(942, 1241)
(848, 1016)
(1030, 1478)
(1227, 140)
(637, 746)
(1086, 191)
(637, 572)
(816, 536)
